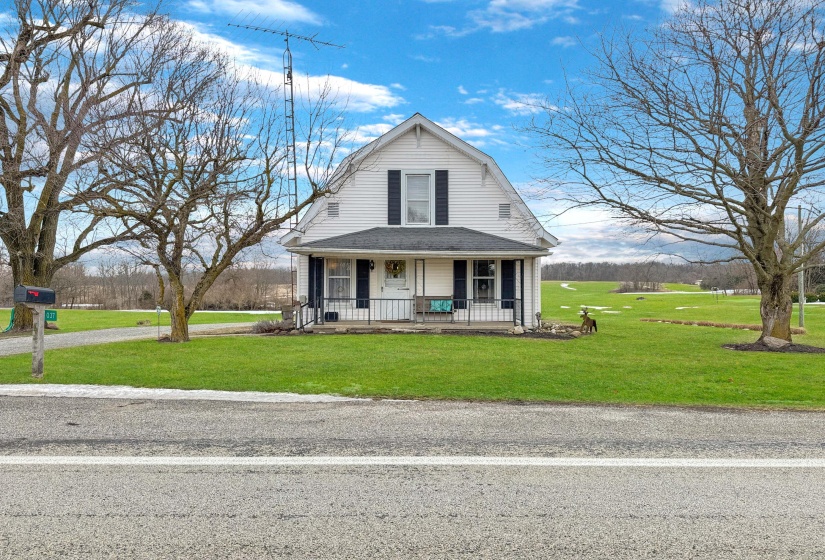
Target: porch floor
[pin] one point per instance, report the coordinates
(406, 326)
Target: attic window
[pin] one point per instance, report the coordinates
(333, 209)
(503, 211)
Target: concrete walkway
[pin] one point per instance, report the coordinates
(23, 344)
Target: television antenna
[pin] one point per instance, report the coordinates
(289, 109)
(289, 99)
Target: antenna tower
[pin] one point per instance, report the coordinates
(289, 110)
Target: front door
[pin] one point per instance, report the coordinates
(396, 304)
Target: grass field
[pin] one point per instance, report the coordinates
(75, 320)
(627, 361)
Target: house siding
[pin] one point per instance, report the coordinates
(473, 203)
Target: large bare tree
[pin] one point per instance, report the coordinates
(213, 182)
(76, 81)
(708, 128)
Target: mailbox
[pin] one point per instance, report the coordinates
(33, 294)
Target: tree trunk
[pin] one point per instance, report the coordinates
(177, 312)
(776, 307)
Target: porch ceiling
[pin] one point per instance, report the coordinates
(443, 241)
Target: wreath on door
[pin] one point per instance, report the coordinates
(395, 268)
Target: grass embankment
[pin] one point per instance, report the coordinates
(627, 361)
(76, 320)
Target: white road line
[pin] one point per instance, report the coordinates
(431, 461)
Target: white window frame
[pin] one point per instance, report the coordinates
(495, 278)
(404, 174)
(330, 277)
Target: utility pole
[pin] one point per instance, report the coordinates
(801, 274)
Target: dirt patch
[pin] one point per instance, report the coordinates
(759, 347)
(526, 334)
(757, 328)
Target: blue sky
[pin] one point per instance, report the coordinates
(475, 67)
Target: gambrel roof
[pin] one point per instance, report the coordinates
(418, 123)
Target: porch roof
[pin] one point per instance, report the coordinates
(444, 241)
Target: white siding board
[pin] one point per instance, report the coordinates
(363, 199)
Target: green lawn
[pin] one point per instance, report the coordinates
(74, 320)
(627, 361)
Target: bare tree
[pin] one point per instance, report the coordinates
(74, 84)
(212, 183)
(709, 129)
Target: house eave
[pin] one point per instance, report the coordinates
(332, 252)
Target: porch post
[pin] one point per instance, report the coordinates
(521, 290)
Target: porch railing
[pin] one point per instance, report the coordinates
(412, 310)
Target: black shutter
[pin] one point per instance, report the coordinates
(442, 212)
(362, 284)
(460, 284)
(316, 281)
(508, 284)
(394, 197)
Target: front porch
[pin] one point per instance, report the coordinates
(361, 327)
(414, 312)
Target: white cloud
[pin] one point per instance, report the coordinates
(237, 51)
(365, 134)
(464, 129)
(519, 103)
(564, 42)
(673, 6)
(474, 100)
(501, 16)
(427, 59)
(395, 118)
(461, 90)
(283, 10)
(359, 97)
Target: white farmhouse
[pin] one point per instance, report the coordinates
(425, 229)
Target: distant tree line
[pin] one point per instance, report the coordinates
(121, 284)
(738, 276)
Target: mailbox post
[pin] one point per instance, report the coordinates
(36, 299)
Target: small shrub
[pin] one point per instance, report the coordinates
(265, 327)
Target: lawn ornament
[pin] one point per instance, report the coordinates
(588, 323)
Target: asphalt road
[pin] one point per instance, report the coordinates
(370, 510)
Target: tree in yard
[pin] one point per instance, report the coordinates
(709, 129)
(213, 182)
(76, 80)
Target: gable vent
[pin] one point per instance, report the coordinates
(333, 208)
(503, 211)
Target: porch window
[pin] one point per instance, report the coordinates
(339, 274)
(484, 281)
(418, 199)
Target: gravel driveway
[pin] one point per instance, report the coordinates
(23, 344)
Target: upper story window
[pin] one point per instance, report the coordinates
(418, 198)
